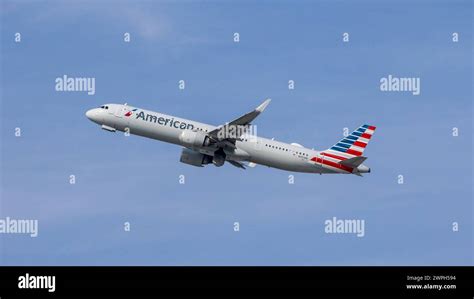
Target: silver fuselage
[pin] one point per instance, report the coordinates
(169, 128)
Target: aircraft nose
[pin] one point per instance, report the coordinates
(93, 114)
(89, 113)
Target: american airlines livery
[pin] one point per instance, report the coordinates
(233, 142)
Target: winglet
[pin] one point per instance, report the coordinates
(263, 105)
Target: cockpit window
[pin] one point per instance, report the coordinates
(104, 107)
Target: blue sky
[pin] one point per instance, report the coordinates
(133, 179)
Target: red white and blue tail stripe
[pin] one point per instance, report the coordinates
(348, 149)
(354, 144)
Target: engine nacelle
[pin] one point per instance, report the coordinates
(218, 161)
(194, 158)
(219, 158)
(194, 139)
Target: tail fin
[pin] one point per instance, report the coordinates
(352, 145)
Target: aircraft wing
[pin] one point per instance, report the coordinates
(245, 120)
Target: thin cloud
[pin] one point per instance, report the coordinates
(143, 19)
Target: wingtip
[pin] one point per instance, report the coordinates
(263, 105)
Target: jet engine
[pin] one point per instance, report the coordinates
(194, 158)
(219, 158)
(194, 139)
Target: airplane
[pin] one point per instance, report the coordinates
(234, 142)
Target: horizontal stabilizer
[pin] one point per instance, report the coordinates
(353, 162)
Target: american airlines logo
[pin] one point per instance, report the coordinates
(170, 122)
(130, 112)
